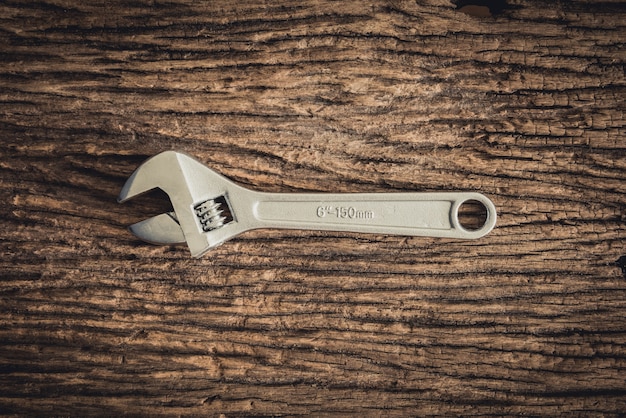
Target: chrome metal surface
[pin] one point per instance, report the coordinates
(209, 209)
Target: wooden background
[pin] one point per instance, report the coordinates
(522, 100)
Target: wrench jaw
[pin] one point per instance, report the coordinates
(202, 217)
(162, 171)
(163, 229)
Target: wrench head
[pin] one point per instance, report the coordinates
(202, 216)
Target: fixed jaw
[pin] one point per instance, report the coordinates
(163, 171)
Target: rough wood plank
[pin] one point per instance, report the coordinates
(525, 104)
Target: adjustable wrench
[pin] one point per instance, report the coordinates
(209, 209)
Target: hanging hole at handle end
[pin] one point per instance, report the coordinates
(472, 215)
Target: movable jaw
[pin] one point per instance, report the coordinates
(202, 213)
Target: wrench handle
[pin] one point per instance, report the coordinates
(414, 214)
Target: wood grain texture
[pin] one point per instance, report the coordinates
(525, 104)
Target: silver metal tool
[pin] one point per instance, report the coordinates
(209, 209)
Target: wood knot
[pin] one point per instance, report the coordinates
(480, 8)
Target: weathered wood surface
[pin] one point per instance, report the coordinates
(523, 102)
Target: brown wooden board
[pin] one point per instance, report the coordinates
(521, 100)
